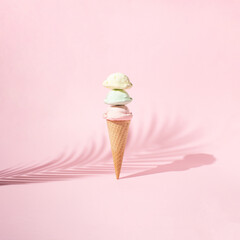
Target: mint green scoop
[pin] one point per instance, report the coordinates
(117, 97)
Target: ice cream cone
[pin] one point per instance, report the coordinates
(118, 116)
(118, 132)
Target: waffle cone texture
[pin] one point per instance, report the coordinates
(118, 132)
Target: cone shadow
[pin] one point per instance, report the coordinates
(188, 162)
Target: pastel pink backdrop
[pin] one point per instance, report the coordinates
(180, 176)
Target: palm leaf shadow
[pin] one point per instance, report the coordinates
(175, 146)
(162, 147)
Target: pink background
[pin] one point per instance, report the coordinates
(180, 177)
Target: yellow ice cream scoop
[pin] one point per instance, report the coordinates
(117, 81)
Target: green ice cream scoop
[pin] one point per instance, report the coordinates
(117, 97)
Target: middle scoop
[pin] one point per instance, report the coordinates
(117, 97)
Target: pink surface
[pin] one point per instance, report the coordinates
(180, 176)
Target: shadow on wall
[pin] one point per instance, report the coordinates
(189, 161)
(158, 147)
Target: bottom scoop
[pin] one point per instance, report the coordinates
(119, 113)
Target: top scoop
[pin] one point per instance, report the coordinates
(117, 81)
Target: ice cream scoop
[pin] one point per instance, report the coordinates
(118, 113)
(117, 81)
(117, 97)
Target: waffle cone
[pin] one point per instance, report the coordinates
(118, 131)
